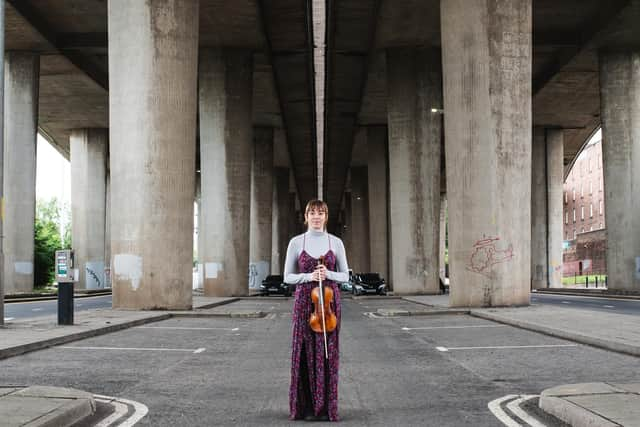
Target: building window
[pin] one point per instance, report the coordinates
(582, 212)
(566, 217)
(601, 227)
(574, 193)
(591, 210)
(582, 230)
(574, 214)
(591, 228)
(574, 234)
(566, 235)
(566, 200)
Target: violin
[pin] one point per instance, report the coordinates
(322, 319)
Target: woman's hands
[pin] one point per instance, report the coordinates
(320, 273)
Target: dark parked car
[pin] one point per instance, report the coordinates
(274, 285)
(368, 283)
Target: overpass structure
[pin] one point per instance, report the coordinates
(478, 105)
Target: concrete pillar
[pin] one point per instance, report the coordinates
(153, 57)
(359, 257)
(261, 206)
(281, 219)
(620, 112)
(555, 205)
(88, 149)
(21, 79)
(415, 135)
(539, 230)
(378, 198)
(486, 50)
(226, 144)
(443, 235)
(107, 230)
(347, 238)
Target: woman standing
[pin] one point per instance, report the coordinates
(314, 379)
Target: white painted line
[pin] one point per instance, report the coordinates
(184, 328)
(139, 410)
(454, 327)
(36, 309)
(120, 410)
(6, 319)
(183, 350)
(494, 407)
(609, 306)
(566, 302)
(499, 347)
(514, 406)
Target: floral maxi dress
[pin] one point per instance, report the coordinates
(314, 379)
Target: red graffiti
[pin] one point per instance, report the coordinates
(485, 255)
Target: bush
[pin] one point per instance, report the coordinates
(47, 240)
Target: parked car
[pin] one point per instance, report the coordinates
(368, 283)
(346, 286)
(274, 285)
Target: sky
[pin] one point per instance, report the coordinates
(53, 173)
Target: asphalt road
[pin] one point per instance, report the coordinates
(619, 306)
(404, 371)
(23, 310)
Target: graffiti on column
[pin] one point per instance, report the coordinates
(485, 254)
(93, 274)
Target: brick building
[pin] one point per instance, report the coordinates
(584, 212)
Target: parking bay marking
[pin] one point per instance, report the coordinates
(140, 411)
(182, 350)
(500, 347)
(454, 327)
(185, 328)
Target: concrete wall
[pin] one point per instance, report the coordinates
(378, 197)
(620, 106)
(261, 206)
(153, 57)
(415, 132)
(88, 204)
(226, 144)
(539, 230)
(20, 130)
(487, 111)
(359, 256)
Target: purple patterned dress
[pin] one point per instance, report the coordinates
(314, 379)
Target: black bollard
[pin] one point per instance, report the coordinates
(587, 281)
(596, 282)
(65, 303)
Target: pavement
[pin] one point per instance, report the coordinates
(585, 404)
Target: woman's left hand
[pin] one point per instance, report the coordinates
(322, 271)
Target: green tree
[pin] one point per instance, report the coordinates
(48, 239)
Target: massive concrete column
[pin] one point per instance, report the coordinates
(153, 57)
(378, 197)
(88, 204)
(555, 206)
(225, 168)
(261, 206)
(620, 106)
(21, 125)
(414, 87)
(443, 235)
(107, 230)
(547, 178)
(281, 218)
(539, 230)
(359, 256)
(486, 50)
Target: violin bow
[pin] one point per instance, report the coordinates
(324, 325)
